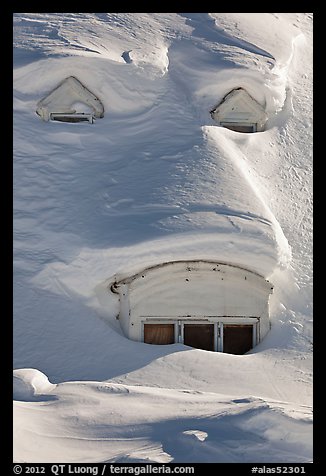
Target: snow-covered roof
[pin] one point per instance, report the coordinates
(238, 106)
(69, 95)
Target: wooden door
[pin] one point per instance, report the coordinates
(237, 339)
(200, 336)
(159, 334)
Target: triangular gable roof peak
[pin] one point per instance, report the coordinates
(65, 95)
(239, 103)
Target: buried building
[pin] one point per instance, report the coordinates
(70, 101)
(196, 244)
(203, 304)
(207, 283)
(240, 112)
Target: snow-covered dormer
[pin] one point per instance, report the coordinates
(70, 101)
(203, 304)
(240, 112)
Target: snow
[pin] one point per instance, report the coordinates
(156, 180)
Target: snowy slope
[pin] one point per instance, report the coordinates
(155, 180)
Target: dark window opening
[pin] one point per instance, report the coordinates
(240, 127)
(200, 336)
(77, 117)
(237, 339)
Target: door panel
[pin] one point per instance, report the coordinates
(159, 334)
(200, 336)
(237, 339)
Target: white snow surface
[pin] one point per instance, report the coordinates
(156, 180)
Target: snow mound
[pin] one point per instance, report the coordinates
(133, 424)
(31, 385)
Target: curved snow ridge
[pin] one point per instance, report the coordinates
(221, 139)
(126, 207)
(206, 27)
(157, 58)
(107, 36)
(280, 82)
(87, 276)
(31, 385)
(134, 423)
(120, 90)
(274, 36)
(270, 32)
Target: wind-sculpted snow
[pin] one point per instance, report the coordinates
(133, 424)
(156, 180)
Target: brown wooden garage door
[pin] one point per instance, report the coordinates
(200, 336)
(237, 339)
(159, 334)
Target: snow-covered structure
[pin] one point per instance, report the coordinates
(154, 188)
(203, 304)
(71, 101)
(240, 112)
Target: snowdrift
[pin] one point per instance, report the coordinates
(156, 180)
